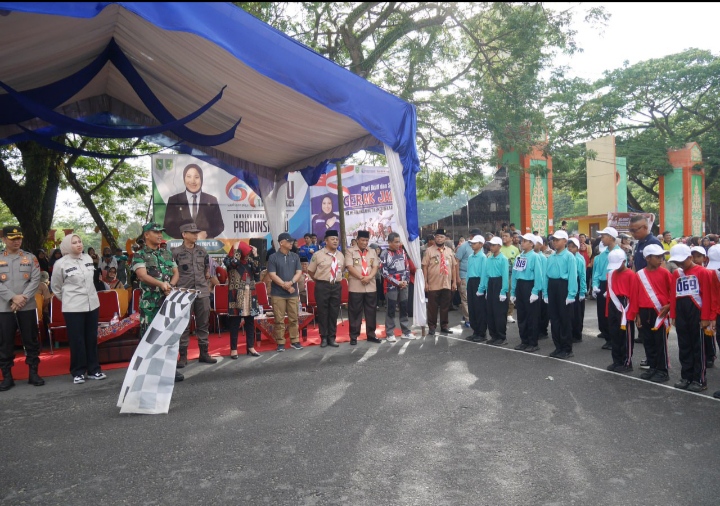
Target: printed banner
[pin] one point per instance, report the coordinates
(696, 205)
(621, 221)
(539, 200)
(367, 199)
(223, 206)
(150, 378)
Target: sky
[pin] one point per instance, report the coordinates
(635, 32)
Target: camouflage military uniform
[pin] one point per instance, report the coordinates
(159, 264)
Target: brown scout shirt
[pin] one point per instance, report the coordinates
(431, 260)
(320, 264)
(353, 259)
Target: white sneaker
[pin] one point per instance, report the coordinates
(391, 339)
(410, 336)
(79, 379)
(510, 319)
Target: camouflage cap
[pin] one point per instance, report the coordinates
(152, 227)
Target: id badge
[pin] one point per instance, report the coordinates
(520, 263)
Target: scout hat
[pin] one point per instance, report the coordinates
(680, 253)
(189, 227)
(12, 232)
(331, 233)
(440, 231)
(653, 250)
(152, 227)
(714, 256)
(363, 234)
(616, 258)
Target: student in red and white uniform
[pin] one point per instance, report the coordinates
(692, 311)
(713, 266)
(649, 307)
(699, 256)
(620, 287)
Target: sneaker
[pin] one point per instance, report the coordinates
(499, 342)
(409, 335)
(564, 355)
(532, 349)
(97, 376)
(431, 332)
(660, 377)
(510, 319)
(281, 347)
(696, 387)
(521, 347)
(391, 339)
(296, 346)
(648, 374)
(644, 364)
(479, 339)
(79, 379)
(716, 394)
(682, 384)
(622, 369)
(467, 325)
(612, 367)
(554, 353)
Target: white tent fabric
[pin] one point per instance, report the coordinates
(412, 248)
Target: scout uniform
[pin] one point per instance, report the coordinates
(326, 268)
(494, 284)
(19, 275)
(363, 298)
(620, 287)
(439, 263)
(599, 285)
(559, 289)
(477, 302)
(527, 281)
(194, 268)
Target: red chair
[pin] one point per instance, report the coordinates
(57, 320)
(109, 305)
(220, 303)
(344, 298)
(311, 302)
(262, 296)
(135, 306)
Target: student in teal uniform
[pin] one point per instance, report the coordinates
(559, 290)
(527, 284)
(579, 307)
(494, 284)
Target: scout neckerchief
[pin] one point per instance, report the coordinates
(365, 270)
(443, 263)
(616, 301)
(334, 266)
(688, 286)
(654, 298)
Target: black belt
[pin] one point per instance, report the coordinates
(328, 282)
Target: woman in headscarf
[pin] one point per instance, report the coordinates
(326, 219)
(243, 267)
(42, 260)
(54, 257)
(111, 279)
(72, 283)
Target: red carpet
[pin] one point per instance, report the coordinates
(59, 363)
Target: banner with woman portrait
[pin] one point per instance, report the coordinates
(223, 206)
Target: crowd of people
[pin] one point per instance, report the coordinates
(642, 283)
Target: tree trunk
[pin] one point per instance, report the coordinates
(633, 202)
(33, 202)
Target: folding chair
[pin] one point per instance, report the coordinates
(57, 320)
(311, 302)
(109, 305)
(220, 302)
(344, 298)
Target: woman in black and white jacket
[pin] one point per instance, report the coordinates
(72, 283)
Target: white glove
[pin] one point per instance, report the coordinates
(596, 290)
(569, 301)
(503, 298)
(480, 294)
(545, 300)
(582, 297)
(533, 298)
(513, 299)
(605, 294)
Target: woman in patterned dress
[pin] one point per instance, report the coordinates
(243, 267)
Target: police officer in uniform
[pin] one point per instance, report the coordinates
(193, 264)
(157, 273)
(19, 279)
(362, 264)
(326, 268)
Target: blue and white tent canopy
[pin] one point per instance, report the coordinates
(299, 111)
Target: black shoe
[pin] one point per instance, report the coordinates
(543, 336)
(374, 340)
(233, 357)
(612, 367)
(178, 377)
(648, 374)
(479, 339)
(493, 341)
(716, 394)
(532, 349)
(446, 331)
(470, 338)
(601, 335)
(34, 379)
(622, 369)
(644, 364)
(607, 346)
(499, 342)
(8, 382)
(431, 332)
(696, 386)
(252, 353)
(331, 342)
(564, 355)
(709, 364)
(323, 343)
(521, 347)
(554, 353)
(660, 377)
(682, 384)
(638, 340)
(280, 348)
(353, 342)
(296, 346)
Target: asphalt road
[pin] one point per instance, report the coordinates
(433, 421)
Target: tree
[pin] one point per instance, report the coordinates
(471, 69)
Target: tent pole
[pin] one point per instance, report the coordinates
(341, 206)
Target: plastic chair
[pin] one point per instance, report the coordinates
(344, 298)
(57, 320)
(262, 295)
(311, 302)
(220, 303)
(109, 305)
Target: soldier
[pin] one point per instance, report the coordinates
(326, 268)
(19, 279)
(362, 264)
(193, 264)
(157, 274)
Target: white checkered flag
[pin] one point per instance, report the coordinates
(150, 378)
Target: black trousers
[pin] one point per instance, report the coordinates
(620, 339)
(496, 310)
(528, 314)
(82, 332)
(249, 326)
(602, 319)
(327, 297)
(560, 315)
(654, 341)
(438, 300)
(578, 317)
(476, 308)
(411, 298)
(544, 316)
(361, 303)
(29, 333)
(691, 340)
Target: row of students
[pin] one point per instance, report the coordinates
(652, 299)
